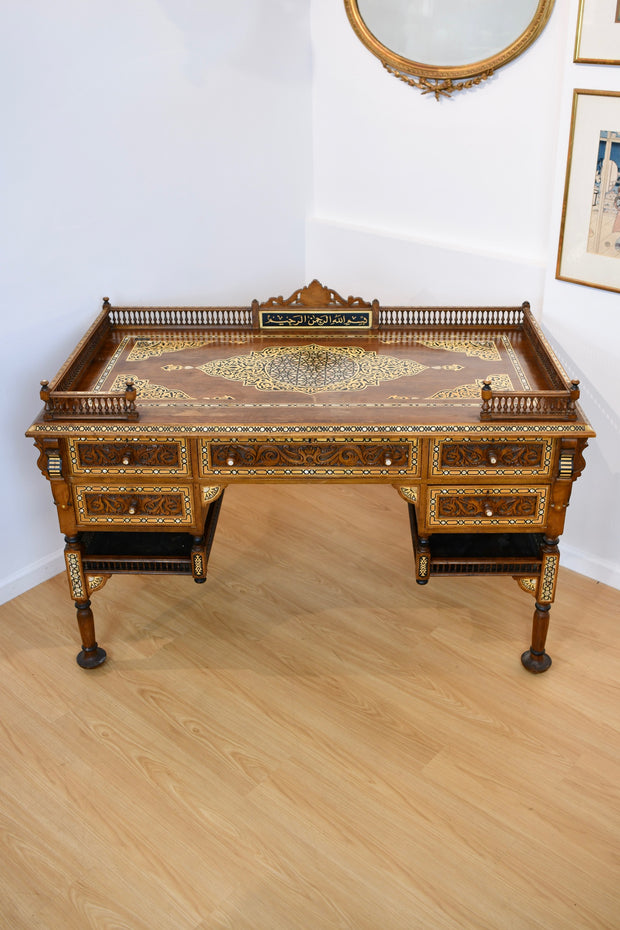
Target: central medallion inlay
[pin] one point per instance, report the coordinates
(310, 369)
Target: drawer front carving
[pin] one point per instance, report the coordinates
(160, 457)
(320, 458)
(475, 457)
(140, 506)
(488, 507)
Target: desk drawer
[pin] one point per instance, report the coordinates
(94, 456)
(488, 507)
(140, 506)
(309, 458)
(490, 457)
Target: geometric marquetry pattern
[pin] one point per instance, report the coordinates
(146, 389)
(484, 349)
(74, 574)
(129, 431)
(549, 577)
(54, 465)
(472, 389)
(311, 368)
(566, 465)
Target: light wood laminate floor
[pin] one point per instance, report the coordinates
(310, 741)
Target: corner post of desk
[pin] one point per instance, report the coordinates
(91, 654)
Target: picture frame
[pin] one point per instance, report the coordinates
(589, 243)
(598, 32)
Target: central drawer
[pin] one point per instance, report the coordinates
(309, 458)
(94, 456)
(139, 506)
(489, 507)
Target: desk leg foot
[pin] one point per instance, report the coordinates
(536, 659)
(536, 663)
(91, 655)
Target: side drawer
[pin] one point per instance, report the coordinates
(94, 456)
(133, 506)
(488, 456)
(487, 507)
(309, 458)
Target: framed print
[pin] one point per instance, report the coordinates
(589, 250)
(598, 32)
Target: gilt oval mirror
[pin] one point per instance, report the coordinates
(440, 46)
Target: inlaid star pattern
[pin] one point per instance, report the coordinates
(310, 369)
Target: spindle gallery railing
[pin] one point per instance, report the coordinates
(451, 316)
(84, 405)
(535, 405)
(395, 324)
(216, 317)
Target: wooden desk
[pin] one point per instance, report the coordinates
(465, 411)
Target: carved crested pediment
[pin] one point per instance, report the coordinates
(314, 294)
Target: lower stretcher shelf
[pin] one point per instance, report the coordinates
(515, 554)
(114, 552)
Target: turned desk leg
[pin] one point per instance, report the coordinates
(91, 654)
(536, 659)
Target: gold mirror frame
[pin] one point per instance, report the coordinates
(438, 80)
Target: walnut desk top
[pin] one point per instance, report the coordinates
(466, 411)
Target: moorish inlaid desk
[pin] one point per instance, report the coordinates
(465, 411)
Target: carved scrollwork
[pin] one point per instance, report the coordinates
(153, 505)
(503, 455)
(468, 506)
(579, 462)
(135, 454)
(314, 295)
(310, 455)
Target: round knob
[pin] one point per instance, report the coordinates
(230, 461)
(387, 460)
(493, 458)
(488, 510)
(133, 505)
(125, 460)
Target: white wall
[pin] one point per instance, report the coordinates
(469, 175)
(148, 156)
(459, 202)
(584, 326)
